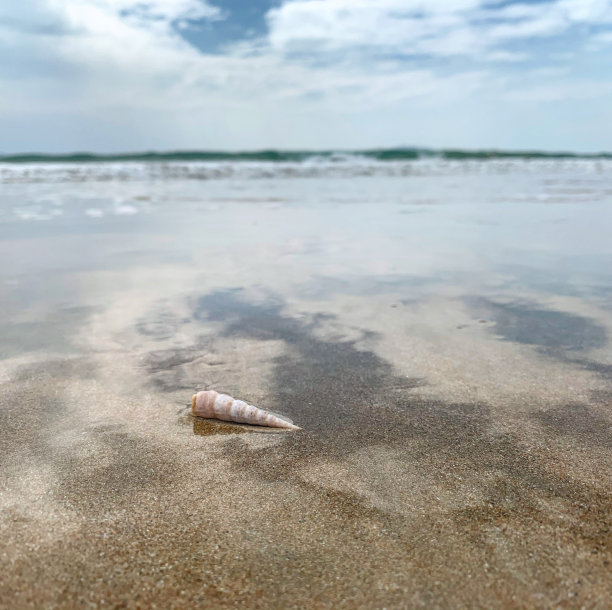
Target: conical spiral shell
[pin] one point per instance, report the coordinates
(221, 406)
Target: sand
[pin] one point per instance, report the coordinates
(456, 439)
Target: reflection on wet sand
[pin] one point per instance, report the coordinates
(207, 427)
(212, 427)
(533, 325)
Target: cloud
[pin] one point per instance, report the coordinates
(586, 11)
(438, 27)
(94, 52)
(120, 71)
(598, 41)
(560, 91)
(121, 53)
(506, 56)
(408, 26)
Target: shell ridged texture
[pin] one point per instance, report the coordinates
(221, 406)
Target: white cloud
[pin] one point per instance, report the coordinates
(123, 67)
(95, 52)
(121, 53)
(587, 11)
(400, 25)
(443, 28)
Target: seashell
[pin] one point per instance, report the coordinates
(221, 406)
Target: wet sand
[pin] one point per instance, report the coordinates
(449, 363)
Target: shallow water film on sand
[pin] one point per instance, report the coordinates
(440, 330)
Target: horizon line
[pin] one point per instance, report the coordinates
(296, 154)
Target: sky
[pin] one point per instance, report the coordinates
(131, 75)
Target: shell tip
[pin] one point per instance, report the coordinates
(193, 402)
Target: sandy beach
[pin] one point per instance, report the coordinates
(441, 335)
